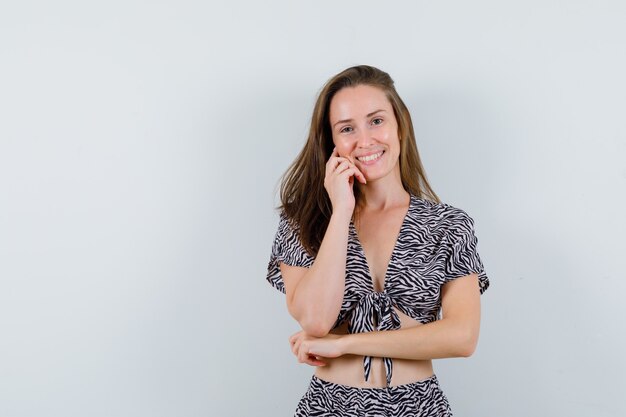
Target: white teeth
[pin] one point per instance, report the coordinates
(370, 157)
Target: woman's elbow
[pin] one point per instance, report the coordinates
(466, 346)
(315, 330)
(315, 327)
(312, 324)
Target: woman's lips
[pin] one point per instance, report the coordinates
(371, 162)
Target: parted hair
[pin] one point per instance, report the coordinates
(304, 199)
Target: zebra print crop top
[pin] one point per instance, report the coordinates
(436, 244)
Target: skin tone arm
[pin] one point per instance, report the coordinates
(314, 295)
(454, 335)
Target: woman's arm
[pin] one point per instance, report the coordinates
(454, 335)
(314, 295)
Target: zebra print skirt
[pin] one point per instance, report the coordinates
(417, 399)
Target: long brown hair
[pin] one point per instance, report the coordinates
(303, 196)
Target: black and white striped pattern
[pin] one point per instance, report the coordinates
(436, 244)
(417, 399)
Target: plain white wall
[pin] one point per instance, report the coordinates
(140, 149)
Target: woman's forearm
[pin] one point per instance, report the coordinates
(316, 301)
(443, 338)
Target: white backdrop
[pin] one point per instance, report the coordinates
(140, 149)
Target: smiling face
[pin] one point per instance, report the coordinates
(365, 130)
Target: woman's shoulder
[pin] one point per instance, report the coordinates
(441, 214)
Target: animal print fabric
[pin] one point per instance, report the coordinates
(418, 399)
(435, 245)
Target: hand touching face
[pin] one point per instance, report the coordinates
(340, 174)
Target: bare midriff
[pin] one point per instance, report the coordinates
(348, 369)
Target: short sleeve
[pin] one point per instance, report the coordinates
(462, 256)
(288, 249)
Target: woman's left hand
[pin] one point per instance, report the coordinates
(312, 350)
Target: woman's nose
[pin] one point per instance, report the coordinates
(364, 138)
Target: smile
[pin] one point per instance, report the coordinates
(371, 158)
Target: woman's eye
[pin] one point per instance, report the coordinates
(379, 119)
(345, 129)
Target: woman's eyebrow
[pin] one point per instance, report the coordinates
(368, 115)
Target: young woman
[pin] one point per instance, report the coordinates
(381, 275)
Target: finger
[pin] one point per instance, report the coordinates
(332, 156)
(320, 360)
(293, 346)
(314, 361)
(302, 355)
(296, 348)
(341, 167)
(334, 161)
(303, 352)
(349, 172)
(341, 164)
(359, 175)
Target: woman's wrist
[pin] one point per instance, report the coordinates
(342, 217)
(345, 343)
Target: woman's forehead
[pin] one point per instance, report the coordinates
(359, 101)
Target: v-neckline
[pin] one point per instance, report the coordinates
(393, 251)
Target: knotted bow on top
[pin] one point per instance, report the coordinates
(374, 311)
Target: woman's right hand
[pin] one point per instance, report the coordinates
(340, 173)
